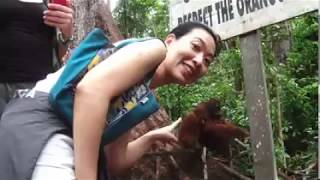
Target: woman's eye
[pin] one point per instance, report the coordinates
(195, 46)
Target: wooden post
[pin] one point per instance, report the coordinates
(318, 92)
(258, 107)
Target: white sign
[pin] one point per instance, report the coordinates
(234, 17)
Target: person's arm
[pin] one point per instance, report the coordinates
(94, 92)
(60, 17)
(122, 154)
(63, 46)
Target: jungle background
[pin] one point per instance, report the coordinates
(290, 51)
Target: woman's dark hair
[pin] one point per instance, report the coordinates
(186, 27)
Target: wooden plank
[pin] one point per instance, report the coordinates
(258, 107)
(234, 17)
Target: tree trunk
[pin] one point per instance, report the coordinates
(84, 18)
(105, 17)
(94, 13)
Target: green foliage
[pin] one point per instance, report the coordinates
(291, 80)
(139, 18)
(296, 81)
(292, 87)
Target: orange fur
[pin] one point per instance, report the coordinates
(206, 126)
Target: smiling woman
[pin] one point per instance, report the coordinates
(182, 58)
(193, 57)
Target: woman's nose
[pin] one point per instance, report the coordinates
(198, 59)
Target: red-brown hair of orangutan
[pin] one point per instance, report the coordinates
(205, 125)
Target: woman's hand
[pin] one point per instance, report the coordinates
(61, 17)
(122, 155)
(166, 134)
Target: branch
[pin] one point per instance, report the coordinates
(204, 161)
(232, 171)
(303, 171)
(168, 153)
(246, 146)
(283, 175)
(157, 168)
(181, 174)
(175, 164)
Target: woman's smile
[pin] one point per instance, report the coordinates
(188, 70)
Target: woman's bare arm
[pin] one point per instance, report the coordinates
(122, 154)
(94, 92)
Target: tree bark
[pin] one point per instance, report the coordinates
(84, 18)
(105, 17)
(94, 13)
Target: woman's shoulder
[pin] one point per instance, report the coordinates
(147, 48)
(128, 41)
(147, 43)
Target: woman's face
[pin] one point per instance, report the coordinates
(189, 57)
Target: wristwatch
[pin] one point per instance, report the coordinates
(63, 41)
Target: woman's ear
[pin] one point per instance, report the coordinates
(170, 38)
